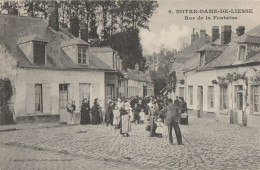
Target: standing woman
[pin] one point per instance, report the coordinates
(95, 113)
(124, 121)
(71, 107)
(85, 117)
(152, 111)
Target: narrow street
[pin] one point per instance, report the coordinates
(208, 145)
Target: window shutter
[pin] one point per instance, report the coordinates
(221, 98)
(46, 100)
(30, 98)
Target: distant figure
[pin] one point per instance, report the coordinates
(124, 124)
(71, 107)
(95, 113)
(109, 113)
(152, 111)
(184, 112)
(85, 108)
(171, 115)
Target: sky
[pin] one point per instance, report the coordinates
(168, 29)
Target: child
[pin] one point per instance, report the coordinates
(142, 116)
(159, 130)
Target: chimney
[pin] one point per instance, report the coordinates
(240, 30)
(13, 11)
(137, 67)
(192, 36)
(74, 25)
(197, 36)
(53, 15)
(203, 34)
(215, 33)
(225, 34)
(83, 32)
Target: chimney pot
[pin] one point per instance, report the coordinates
(240, 30)
(83, 32)
(203, 33)
(74, 25)
(226, 34)
(53, 15)
(215, 33)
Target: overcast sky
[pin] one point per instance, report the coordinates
(167, 29)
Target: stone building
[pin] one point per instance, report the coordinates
(222, 81)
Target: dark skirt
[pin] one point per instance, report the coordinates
(85, 118)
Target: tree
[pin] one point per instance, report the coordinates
(162, 58)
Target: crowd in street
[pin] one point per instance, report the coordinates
(122, 113)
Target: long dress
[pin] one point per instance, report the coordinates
(85, 117)
(95, 114)
(71, 116)
(124, 122)
(116, 118)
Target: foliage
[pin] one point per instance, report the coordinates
(256, 76)
(105, 20)
(229, 78)
(159, 76)
(6, 116)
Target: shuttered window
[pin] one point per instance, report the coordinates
(239, 97)
(181, 92)
(39, 54)
(38, 98)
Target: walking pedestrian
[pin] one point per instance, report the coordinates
(85, 108)
(171, 114)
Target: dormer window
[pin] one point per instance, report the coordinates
(242, 52)
(82, 55)
(39, 57)
(202, 58)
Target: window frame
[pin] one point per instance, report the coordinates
(239, 91)
(63, 91)
(81, 52)
(223, 93)
(41, 99)
(238, 55)
(211, 95)
(253, 93)
(190, 92)
(45, 53)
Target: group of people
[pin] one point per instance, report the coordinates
(122, 112)
(85, 111)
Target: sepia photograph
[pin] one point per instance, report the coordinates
(129, 84)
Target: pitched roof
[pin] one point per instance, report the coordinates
(250, 39)
(101, 49)
(140, 76)
(212, 47)
(13, 27)
(74, 41)
(229, 56)
(189, 54)
(32, 37)
(190, 51)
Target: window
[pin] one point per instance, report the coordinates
(211, 96)
(181, 92)
(239, 97)
(202, 58)
(242, 53)
(63, 95)
(181, 81)
(38, 97)
(84, 92)
(39, 53)
(190, 95)
(223, 98)
(82, 55)
(255, 95)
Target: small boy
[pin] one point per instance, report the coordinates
(136, 111)
(142, 116)
(159, 130)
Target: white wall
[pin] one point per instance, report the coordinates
(53, 78)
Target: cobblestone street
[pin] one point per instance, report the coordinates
(207, 145)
